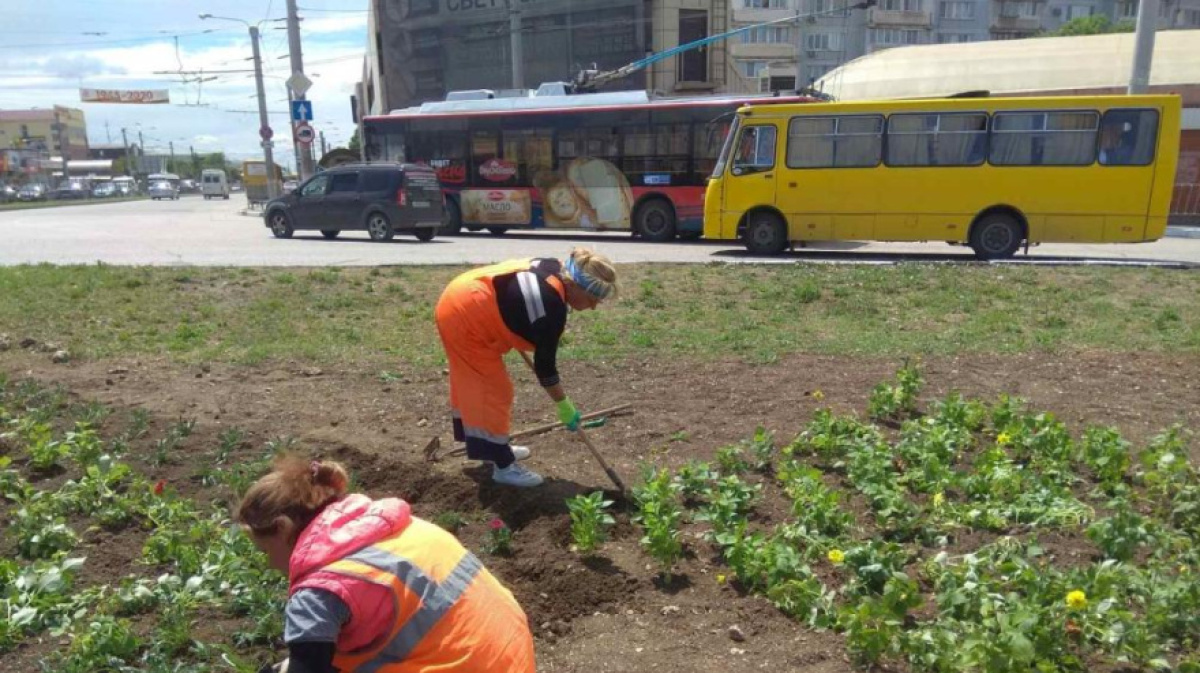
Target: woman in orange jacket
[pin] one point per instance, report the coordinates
(373, 588)
(520, 305)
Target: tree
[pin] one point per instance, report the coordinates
(1097, 24)
(355, 142)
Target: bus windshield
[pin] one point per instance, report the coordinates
(727, 147)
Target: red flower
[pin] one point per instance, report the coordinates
(159, 486)
(496, 524)
(1073, 628)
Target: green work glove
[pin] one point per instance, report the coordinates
(568, 415)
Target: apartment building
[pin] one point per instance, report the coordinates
(827, 34)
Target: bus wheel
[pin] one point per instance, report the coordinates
(655, 221)
(451, 219)
(379, 227)
(498, 231)
(996, 236)
(280, 225)
(766, 234)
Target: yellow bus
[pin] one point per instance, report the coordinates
(992, 173)
(254, 181)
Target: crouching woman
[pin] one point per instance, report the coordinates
(373, 588)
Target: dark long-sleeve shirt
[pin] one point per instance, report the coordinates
(534, 311)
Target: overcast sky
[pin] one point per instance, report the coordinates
(50, 48)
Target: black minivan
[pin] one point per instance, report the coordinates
(382, 198)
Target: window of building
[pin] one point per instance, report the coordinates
(1044, 138)
(829, 7)
(957, 9)
(1078, 11)
(1190, 17)
(952, 139)
(812, 73)
(900, 5)
(1127, 10)
(823, 41)
(1023, 9)
(755, 150)
(1165, 10)
(851, 141)
(752, 68)
(765, 4)
(957, 38)
(895, 36)
(1128, 137)
(767, 35)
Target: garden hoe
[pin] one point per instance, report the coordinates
(596, 419)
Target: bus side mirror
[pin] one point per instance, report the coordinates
(737, 170)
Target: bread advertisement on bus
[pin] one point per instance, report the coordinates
(586, 193)
(496, 206)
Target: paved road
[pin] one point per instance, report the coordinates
(193, 231)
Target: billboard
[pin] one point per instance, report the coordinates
(130, 96)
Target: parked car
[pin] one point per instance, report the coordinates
(188, 186)
(32, 192)
(290, 186)
(71, 189)
(382, 199)
(104, 190)
(214, 184)
(163, 190)
(7, 193)
(125, 187)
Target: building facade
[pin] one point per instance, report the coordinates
(827, 35)
(38, 130)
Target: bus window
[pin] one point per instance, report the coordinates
(755, 150)
(951, 139)
(1127, 137)
(707, 140)
(594, 141)
(531, 150)
(444, 151)
(851, 141)
(1044, 138)
(485, 151)
(656, 155)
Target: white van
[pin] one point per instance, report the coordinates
(213, 183)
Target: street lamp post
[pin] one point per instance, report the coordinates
(268, 152)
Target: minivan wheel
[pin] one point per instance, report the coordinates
(498, 231)
(425, 233)
(330, 233)
(379, 227)
(281, 226)
(766, 234)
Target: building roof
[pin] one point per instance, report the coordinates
(38, 114)
(1061, 65)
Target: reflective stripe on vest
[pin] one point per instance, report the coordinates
(437, 599)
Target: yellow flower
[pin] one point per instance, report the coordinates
(938, 500)
(836, 557)
(1003, 438)
(720, 579)
(818, 395)
(1077, 600)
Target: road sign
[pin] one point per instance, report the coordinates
(305, 134)
(302, 111)
(299, 84)
(265, 133)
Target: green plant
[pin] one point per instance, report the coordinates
(450, 520)
(1106, 454)
(727, 501)
(101, 644)
(893, 401)
(762, 449)
(228, 441)
(589, 519)
(694, 478)
(139, 423)
(732, 460)
(83, 444)
(1120, 535)
(40, 534)
(659, 516)
(815, 505)
(499, 539)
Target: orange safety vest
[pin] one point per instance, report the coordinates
(452, 615)
(486, 275)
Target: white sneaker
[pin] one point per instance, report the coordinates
(516, 475)
(519, 453)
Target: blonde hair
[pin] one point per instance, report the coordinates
(598, 267)
(296, 489)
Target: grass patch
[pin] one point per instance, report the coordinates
(756, 313)
(35, 205)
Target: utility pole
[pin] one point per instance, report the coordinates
(125, 142)
(195, 160)
(303, 150)
(324, 147)
(518, 54)
(141, 153)
(1143, 50)
(171, 163)
(268, 152)
(62, 146)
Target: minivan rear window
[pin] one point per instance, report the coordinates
(377, 181)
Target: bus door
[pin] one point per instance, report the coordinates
(751, 178)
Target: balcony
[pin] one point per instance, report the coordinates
(763, 50)
(759, 15)
(1016, 24)
(886, 17)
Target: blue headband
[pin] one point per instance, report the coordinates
(590, 285)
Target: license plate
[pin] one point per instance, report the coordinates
(421, 204)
